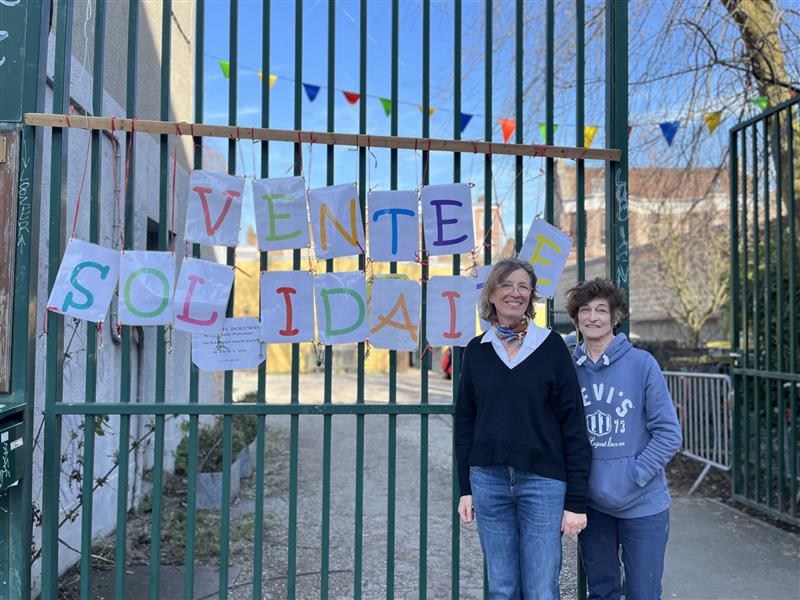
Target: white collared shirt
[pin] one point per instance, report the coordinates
(532, 340)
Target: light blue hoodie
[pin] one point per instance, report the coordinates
(632, 427)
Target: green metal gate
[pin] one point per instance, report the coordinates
(765, 300)
(26, 73)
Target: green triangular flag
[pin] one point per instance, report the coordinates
(543, 130)
(226, 68)
(387, 106)
(762, 102)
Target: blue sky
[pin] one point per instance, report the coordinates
(650, 102)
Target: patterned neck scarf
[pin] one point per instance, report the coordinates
(515, 331)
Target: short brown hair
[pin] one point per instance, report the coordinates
(502, 269)
(586, 291)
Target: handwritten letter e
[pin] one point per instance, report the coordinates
(447, 218)
(546, 248)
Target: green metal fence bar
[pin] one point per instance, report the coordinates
(328, 352)
(580, 97)
(780, 420)
(744, 410)
(261, 392)
(487, 133)
(54, 375)
(549, 103)
(227, 384)
(519, 55)
(194, 375)
(793, 334)
(768, 316)
(294, 426)
(87, 484)
(733, 179)
(25, 291)
(756, 275)
(252, 408)
(425, 357)
(163, 244)
(455, 351)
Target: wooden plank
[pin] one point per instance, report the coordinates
(9, 171)
(328, 139)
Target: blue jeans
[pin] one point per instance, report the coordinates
(643, 541)
(519, 524)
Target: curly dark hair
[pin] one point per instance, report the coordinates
(586, 291)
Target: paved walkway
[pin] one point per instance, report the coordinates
(714, 552)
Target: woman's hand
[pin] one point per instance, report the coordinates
(571, 523)
(465, 510)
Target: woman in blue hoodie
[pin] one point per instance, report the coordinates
(633, 431)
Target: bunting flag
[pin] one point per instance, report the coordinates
(352, 97)
(543, 130)
(712, 120)
(508, 126)
(431, 110)
(272, 78)
(311, 91)
(589, 131)
(669, 129)
(225, 66)
(387, 105)
(762, 102)
(465, 119)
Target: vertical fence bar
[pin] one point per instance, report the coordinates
(780, 417)
(519, 55)
(87, 491)
(580, 97)
(736, 345)
(294, 426)
(163, 243)
(455, 352)
(742, 467)
(425, 358)
(328, 357)
(793, 334)
(549, 168)
(54, 375)
(768, 356)
(362, 200)
(227, 383)
(261, 392)
(194, 375)
(756, 324)
(487, 109)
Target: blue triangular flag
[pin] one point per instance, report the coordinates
(311, 91)
(669, 129)
(465, 119)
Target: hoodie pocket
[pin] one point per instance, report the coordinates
(612, 483)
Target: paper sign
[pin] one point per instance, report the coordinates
(287, 306)
(393, 226)
(341, 300)
(394, 314)
(336, 221)
(85, 281)
(238, 346)
(547, 249)
(201, 296)
(481, 273)
(451, 310)
(447, 218)
(281, 213)
(145, 287)
(214, 209)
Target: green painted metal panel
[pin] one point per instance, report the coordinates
(14, 17)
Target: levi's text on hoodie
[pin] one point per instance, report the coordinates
(632, 428)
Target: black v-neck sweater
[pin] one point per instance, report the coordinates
(529, 417)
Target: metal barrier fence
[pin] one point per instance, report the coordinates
(92, 407)
(704, 405)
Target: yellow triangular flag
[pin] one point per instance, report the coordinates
(589, 131)
(431, 109)
(272, 78)
(712, 120)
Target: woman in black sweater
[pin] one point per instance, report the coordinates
(520, 440)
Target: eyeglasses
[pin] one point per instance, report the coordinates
(522, 288)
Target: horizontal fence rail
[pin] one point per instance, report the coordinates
(704, 405)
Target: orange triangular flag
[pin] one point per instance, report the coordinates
(508, 126)
(712, 120)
